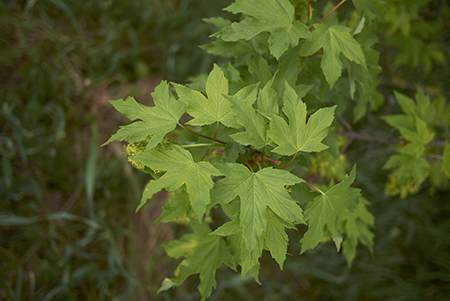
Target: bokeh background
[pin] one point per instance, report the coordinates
(68, 230)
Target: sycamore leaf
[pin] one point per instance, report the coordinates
(299, 136)
(206, 110)
(274, 16)
(417, 140)
(203, 253)
(356, 225)
(258, 192)
(276, 239)
(333, 40)
(181, 169)
(156, 121)
(254, 123)
(176, 208)
(325, 210)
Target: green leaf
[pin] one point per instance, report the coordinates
(258, 192)
(417, 140)
(276, 239)
(206, 110)
(254, 123)
(299, 136)
(409, 167)
(176, 208)
(203, 253)
(181, 169)
(333, 40)
(356, 225)
(156, 121)
(326, 208)
(274, 16)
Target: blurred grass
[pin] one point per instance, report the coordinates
(68, 230)
(67, 227)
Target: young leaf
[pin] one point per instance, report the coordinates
(333, 40)
(203, 253)
(299, 136)
(409, 167)
(181, 169)
(157, 121)
(257, 191)
(206, 110)
(326, 208)
(274, 16)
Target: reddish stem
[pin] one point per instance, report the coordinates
(245, 162)
(290, 161)
(309, 12)
(214, 139)
(324, 17)
(200, 134)
(314, 187)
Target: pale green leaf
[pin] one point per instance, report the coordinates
(203, 253)
(274, 16)
(299, 135)
(206, 110)
(334, 41)
(258, 192)
(177, 207)
(180, 169)
(325, 209)
(276, 239)
(156, 121)
(254, 123)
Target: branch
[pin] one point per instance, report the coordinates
(200, 134)
(354, 135)
(324, 17)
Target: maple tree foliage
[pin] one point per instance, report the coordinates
(257, 122)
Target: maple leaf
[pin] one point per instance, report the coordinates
(181, 169)
(299, 136)
(203, 253)
(206, 110)
(157, 121)
(258, 192)
(325, 210)
(333, 40)
(254, 123)
(274, 16)
(356, 225)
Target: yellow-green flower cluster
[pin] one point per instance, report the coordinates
(407, 187)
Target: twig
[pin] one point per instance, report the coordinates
(324, 17)
(245, 162)
(314, 187)
(214, 139)
(290, 161)
(200, 134)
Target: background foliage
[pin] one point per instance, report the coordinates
(67, 225)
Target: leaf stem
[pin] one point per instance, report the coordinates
(324, 17)
(200, 134)
(314, 187)
(245, 162)
(214, 139)
(309, 10)
(290, 161)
